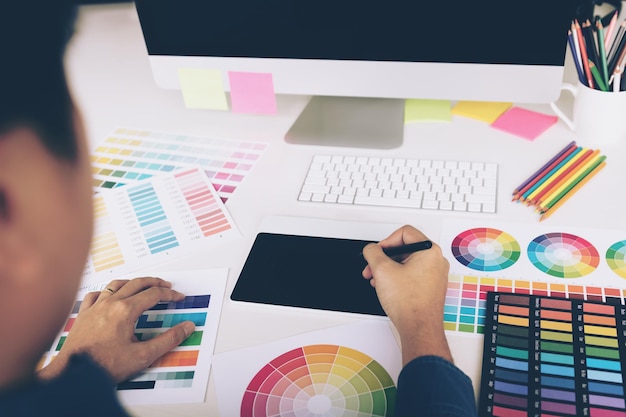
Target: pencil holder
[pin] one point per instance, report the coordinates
(598, 117)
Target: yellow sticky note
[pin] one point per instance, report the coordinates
(202, 88)
(417, 110)
(485, 111)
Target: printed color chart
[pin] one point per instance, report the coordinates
(128, 155)
(182, 374)
(153, 220)
(320, 380)
(346, 370)
(552, 357)
(584, 264)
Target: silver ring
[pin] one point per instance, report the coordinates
(109, 290)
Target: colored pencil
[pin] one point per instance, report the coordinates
(572, 144)
(609, 31)
(573, 191)
(546, 172)
(530, 199)
(616, 40)
(571, 171)
(564, 189)
(601, 52)
(531, 191)
(617, 79)
(597, 76)
(583, 54)
(590, 42)
(572, 41)
(566, 172)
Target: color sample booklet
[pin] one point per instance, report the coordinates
(553, 356)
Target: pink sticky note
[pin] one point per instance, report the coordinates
(524, 123)
(252, 92)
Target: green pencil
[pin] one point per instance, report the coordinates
(602, 51)
(597, 76)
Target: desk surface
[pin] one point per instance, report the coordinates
(112, 82)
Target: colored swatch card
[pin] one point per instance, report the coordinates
(252, 92)
(128, 155)
(181, 375)
(202, 88)
(578, 263)
(552, 357)
(348, 370)
(155, 220)
(524, 123)
(427, 111)
(485, 111)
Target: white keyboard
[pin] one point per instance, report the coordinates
(460, 186)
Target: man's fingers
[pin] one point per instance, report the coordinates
(138, 285)
(166, 341)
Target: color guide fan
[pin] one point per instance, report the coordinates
(485, 249)
(549, 356)
(563, 255)
(320, 380)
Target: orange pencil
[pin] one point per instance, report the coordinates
(582, 182)
(565, 175)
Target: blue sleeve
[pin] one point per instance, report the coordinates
(432, 386)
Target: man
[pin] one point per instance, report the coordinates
(45, 233)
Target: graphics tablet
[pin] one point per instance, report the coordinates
(313, 268)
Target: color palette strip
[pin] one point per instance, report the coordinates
(552, 357)
(485, 249)
(563, 255)
(129, 155)
(465, 307)
(152, 220)
(320, 380)
(159, 380)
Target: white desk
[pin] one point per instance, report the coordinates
(112, 83)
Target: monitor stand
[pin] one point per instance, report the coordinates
(376, 123)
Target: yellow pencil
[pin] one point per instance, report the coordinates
(549, 200)
(582, 182)
(547, 184)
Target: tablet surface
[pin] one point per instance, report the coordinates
(309, 272)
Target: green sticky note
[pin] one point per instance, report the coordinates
(485, 111)
(417, 110)
(202, 88)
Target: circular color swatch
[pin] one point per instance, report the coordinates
(616, 258)
(563, 255)
(485, 249)
(320, 380)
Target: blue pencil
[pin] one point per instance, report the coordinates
(575, 55)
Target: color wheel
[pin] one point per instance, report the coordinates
(320, 380)
(563, 255)
(616, 258)
(485, 249)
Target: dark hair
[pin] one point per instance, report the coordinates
(33, 87)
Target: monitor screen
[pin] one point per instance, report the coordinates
(455, 49)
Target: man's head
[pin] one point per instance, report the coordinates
(45, 192)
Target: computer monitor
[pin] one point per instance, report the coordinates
(359, 59)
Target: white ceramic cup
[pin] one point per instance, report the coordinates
(599, 117)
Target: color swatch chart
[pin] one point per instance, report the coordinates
(153, 220)
(128, 155)
(553, 357)
(528, 259)
(320, 380)
(181, 375)
(347, 370)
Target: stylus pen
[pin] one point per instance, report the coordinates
(410, 248)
